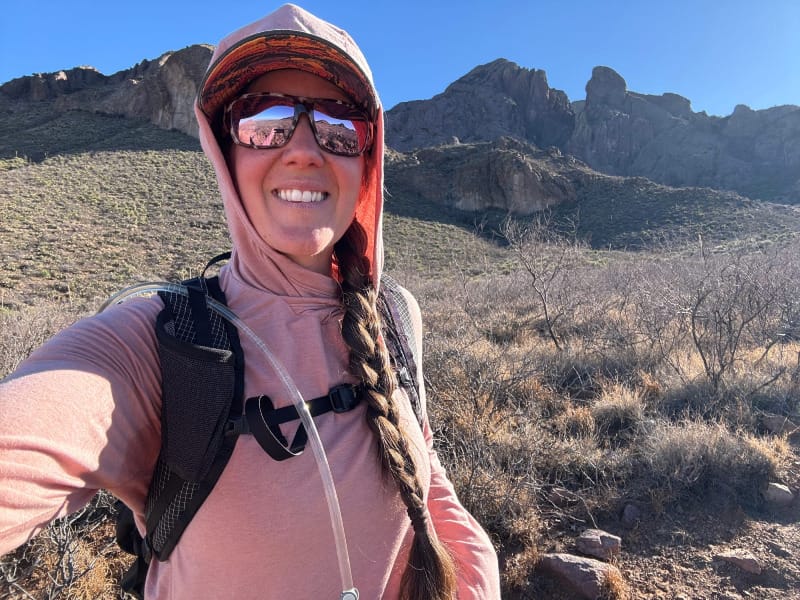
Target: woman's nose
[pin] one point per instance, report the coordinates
(303, 147)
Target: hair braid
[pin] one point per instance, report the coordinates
(430, 573)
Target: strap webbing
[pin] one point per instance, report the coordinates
(262, 419)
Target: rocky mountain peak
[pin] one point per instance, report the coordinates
(614, 130)
(44, 86)
(606, 87)
(493, 100)
(503, 74)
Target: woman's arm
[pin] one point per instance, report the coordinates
(81, 414)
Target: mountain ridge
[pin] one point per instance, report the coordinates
(613, 131)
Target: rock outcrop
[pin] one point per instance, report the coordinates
(161, 91)
(46, 86)
(491, 101)
(506, 174)
(620, 132)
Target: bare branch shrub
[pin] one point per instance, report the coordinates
(549, 259)
(75, 557)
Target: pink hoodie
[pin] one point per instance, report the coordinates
(82, 413)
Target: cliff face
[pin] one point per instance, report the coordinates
(659, 137)
(505, 174)
(494, 100)
(613, 130)
(161, 91)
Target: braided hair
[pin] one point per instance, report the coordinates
(430, 573)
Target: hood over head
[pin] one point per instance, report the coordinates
(289, 38)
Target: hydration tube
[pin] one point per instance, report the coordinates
(349, 591)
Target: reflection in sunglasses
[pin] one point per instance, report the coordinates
(268, 120)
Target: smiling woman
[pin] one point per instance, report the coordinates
(299, 196)
(293, 126)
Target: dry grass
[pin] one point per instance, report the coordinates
(624, 411)
(614, 587)
(28, 328)
(698, 459)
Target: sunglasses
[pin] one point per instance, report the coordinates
(268, 120)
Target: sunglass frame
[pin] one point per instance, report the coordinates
(309, 107)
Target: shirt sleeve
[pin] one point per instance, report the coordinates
(473, 552)
(79, 415)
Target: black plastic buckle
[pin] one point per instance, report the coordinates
(343, 398)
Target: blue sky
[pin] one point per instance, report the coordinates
(717, 53)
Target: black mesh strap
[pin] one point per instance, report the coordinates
(200, 351)
(202, 323)
(401, 339)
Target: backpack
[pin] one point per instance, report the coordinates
(202, 366)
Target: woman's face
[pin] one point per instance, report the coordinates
(299, 198)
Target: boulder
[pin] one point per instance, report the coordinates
(778, 494)
(743, 559)
(586, 576)
(599, 544)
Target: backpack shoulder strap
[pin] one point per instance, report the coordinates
(201, 358)
(401, 339)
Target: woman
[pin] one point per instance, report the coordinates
(303, 200)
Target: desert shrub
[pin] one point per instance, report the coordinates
(696, 460)
(29, 327)
(74, 558)
(619, 415)
(476, 423)
(549, 263)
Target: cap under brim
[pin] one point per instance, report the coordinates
(259, 54)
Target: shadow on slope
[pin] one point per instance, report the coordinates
(40, 131)
(634, 213)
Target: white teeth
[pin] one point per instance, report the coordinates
(300, 195)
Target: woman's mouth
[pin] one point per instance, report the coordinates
(293, 195)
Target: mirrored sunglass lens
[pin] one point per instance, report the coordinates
(267, 128)
(336, 135)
